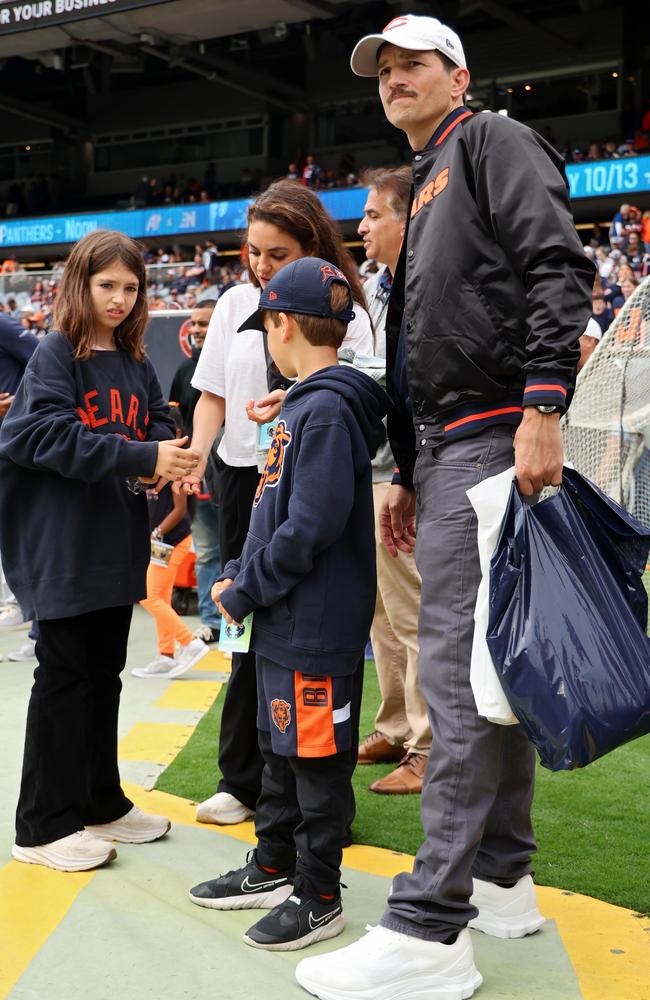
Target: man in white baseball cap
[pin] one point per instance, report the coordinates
(491, 293)
(421, 34)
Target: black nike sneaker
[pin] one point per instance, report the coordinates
(296, 923)
(246, 888)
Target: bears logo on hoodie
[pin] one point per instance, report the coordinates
(274, 461)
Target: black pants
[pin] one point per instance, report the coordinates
(70, 775)
(307, 806)
(240, 759)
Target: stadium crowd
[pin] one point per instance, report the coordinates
(621, 255)
(38, 195)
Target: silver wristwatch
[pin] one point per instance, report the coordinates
(547, 409)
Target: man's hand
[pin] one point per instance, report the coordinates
(266, 409)
(216, 593)
(5, 402)
(539, 452)
(397, 520)
(175, 460)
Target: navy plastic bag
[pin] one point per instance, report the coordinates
(568, 618)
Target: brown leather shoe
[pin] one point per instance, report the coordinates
(376, 749)
(405, 779)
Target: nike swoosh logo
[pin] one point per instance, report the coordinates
(248, 886)
(316, 922)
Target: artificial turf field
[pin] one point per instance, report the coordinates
(592, 826)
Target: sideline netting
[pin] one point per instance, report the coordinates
(607, 427)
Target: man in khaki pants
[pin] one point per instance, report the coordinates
(402, 732)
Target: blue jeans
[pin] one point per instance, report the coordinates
(205, 535)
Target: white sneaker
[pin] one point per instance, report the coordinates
(160, 667)
(25, 652)
(188, 656)
(11, 617)
(386, 965)
(78, 852)
(136, 827)
(206, 633)
(506, 913)
(223, 808)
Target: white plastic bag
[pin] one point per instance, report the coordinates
(489, 499)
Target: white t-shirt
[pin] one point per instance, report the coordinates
(233, 365)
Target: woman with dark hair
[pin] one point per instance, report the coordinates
(287, 222)
(88, 421)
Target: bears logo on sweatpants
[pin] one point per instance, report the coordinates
(306, 715)
(281, 714)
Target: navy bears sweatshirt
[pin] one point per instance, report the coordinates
(73, 537)
(308, 567)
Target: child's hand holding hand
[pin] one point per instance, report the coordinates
(175, 460)
(266, 409)
(191, 481)
(216, 593)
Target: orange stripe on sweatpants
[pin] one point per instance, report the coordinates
(314, 720)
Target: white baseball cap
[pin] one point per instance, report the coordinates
(409, 31)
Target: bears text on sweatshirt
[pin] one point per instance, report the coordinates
(73, 537)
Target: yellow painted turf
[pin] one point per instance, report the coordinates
(213, 662)
(33, 902)
(195, 695)
(609, 947)
(158, 742)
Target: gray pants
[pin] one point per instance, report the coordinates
(478, 786)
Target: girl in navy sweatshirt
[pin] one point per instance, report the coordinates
(88, 422)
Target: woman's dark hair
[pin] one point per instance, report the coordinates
(73, 312)
(296, 210)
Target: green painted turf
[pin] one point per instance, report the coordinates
(593, 826)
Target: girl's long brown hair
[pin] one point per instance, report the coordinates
(73, 312)
(296, 210)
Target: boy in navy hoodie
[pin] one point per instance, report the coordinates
(307, 572)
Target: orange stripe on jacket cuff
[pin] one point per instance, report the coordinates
(545, 387)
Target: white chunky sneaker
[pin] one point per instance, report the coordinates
(222, 808)
(160, 667)
(386, 965)
(11, 617)
(25, 652)
(136, 827)
(188, 656)
(506, 913)
(78, 852)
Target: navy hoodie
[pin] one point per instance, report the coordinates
(73, 536)
(308, 566)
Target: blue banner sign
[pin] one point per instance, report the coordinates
(614, 177)
(175, 220)
(586, 180)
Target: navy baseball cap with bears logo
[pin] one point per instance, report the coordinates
(303, 287)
